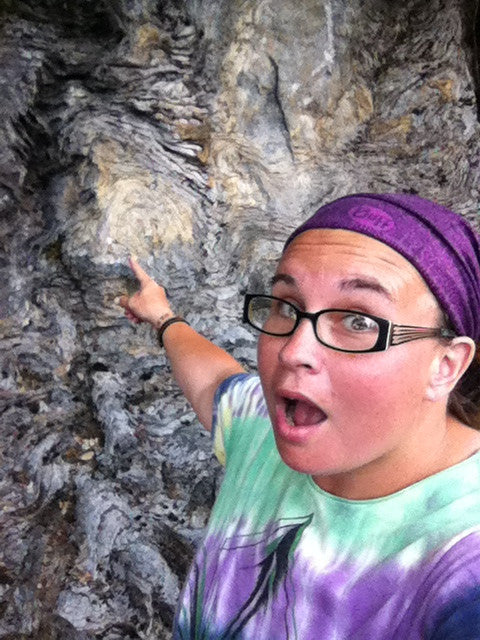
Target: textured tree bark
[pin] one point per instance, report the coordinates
(195, 134)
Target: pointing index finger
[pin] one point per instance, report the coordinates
(141, 275)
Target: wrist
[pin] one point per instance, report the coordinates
(160, 321)
(166, 325)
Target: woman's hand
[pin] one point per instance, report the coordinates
(150, 303)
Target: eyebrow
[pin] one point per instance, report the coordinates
(283, 277)
(352, 284)
(348, 284)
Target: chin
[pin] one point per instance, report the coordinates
(303, 461)
(294, 457)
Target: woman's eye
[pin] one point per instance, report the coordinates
(284, 309)
(359, 323)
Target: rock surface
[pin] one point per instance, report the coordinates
(195, 134)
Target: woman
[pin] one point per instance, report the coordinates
(350, 506)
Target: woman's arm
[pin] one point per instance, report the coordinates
(198, 365)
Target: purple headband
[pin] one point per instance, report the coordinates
(439, 243)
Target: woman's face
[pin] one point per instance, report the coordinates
(358, 423)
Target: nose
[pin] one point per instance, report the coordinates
(302, 348)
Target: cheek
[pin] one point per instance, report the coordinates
(381, 383)
(267, 359)
(267, 355)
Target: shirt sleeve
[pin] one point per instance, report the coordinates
(236, 399)
(458, 615)
(461, 620)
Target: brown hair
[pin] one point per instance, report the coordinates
(464, 401)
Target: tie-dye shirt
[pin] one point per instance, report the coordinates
(282, 559)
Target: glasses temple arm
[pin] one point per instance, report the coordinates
(402, 334)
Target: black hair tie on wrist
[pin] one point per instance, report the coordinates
(166, 324)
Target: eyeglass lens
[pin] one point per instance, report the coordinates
(347, 330)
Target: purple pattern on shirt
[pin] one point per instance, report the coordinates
(383, 603)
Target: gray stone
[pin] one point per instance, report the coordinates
(195, 134)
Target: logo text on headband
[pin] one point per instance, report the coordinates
(371, 217)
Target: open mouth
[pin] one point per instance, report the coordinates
(302, 413)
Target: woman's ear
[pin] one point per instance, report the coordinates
(449, 366)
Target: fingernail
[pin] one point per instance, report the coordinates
(117, 300)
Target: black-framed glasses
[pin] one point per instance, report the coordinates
(340, 329)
